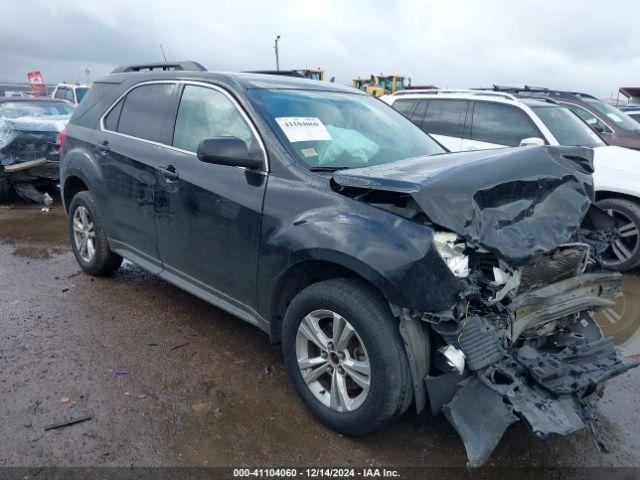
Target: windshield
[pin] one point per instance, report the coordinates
(341, 130)
(81, 92)
(620, 118)
(567, 127)
(34, 109)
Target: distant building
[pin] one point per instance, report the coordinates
(632, 94)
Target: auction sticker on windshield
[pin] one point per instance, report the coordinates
(303, 129)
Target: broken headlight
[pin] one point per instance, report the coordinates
(451, 247)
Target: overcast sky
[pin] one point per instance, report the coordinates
(586, 45)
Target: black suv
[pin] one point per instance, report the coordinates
(392, 273)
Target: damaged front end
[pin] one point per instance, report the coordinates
(520, 232)
(531, 347)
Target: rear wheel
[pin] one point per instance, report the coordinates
(624, 252)
(88, 238)
(345, 356)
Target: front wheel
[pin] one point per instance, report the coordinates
(88, 238)
(345, 356)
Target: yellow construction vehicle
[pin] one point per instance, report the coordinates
(390, 83)
(379, 85)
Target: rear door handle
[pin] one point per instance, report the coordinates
(104, 147)
(169, 173)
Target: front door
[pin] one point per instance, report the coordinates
(208, 217)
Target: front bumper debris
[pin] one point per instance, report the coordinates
(550, 391)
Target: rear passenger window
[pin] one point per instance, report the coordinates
(144, 111)
(404, 106)
(206, 113)
(501, 124)
(445, 117)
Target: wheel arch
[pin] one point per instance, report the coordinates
(72, 185)
(605, 194)
(306, 272)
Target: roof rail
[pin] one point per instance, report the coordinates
(441, 91)
(284, 73)
(187, 66)
(537, 90)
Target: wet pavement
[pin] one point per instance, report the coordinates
(136, 354)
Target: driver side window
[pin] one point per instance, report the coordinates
(593, 121)
(206, 113)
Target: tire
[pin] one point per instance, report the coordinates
(99, 260)
(626, 254)
(390, 389)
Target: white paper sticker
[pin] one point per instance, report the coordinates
(303, 129)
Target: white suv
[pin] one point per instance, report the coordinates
(71, 92)
(463, 120)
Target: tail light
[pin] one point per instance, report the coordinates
(62, 138)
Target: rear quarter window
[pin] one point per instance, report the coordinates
(95, 102)
(404, 106)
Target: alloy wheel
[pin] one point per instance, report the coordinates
(84, 234)
(333, 361)
(622, 249)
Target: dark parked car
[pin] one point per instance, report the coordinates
(392, 273)
(613, 125)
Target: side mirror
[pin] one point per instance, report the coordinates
(532, 142)
(227, 151)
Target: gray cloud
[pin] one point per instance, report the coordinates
(583, 45)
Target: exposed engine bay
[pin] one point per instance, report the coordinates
(524, 241)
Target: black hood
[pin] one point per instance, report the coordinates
(516, 203)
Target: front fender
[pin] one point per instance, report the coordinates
(616, 170)
(395, 254)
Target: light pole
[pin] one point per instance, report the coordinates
(276, 49)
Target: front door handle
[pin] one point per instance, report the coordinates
(169, 173)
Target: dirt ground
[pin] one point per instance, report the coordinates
(65, 334)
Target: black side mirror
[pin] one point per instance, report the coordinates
(227, 151)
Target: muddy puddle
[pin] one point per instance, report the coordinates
(34, 233)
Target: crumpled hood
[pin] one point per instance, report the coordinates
(516, 202)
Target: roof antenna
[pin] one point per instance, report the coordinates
(163, 55)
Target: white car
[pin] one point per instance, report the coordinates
(71, 92)
(463, 120)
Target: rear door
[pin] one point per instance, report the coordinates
(130, 153)
(497, 125)
(444, 120)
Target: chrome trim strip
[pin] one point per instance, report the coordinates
(171, 147)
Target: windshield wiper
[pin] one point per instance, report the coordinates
(327, 169)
